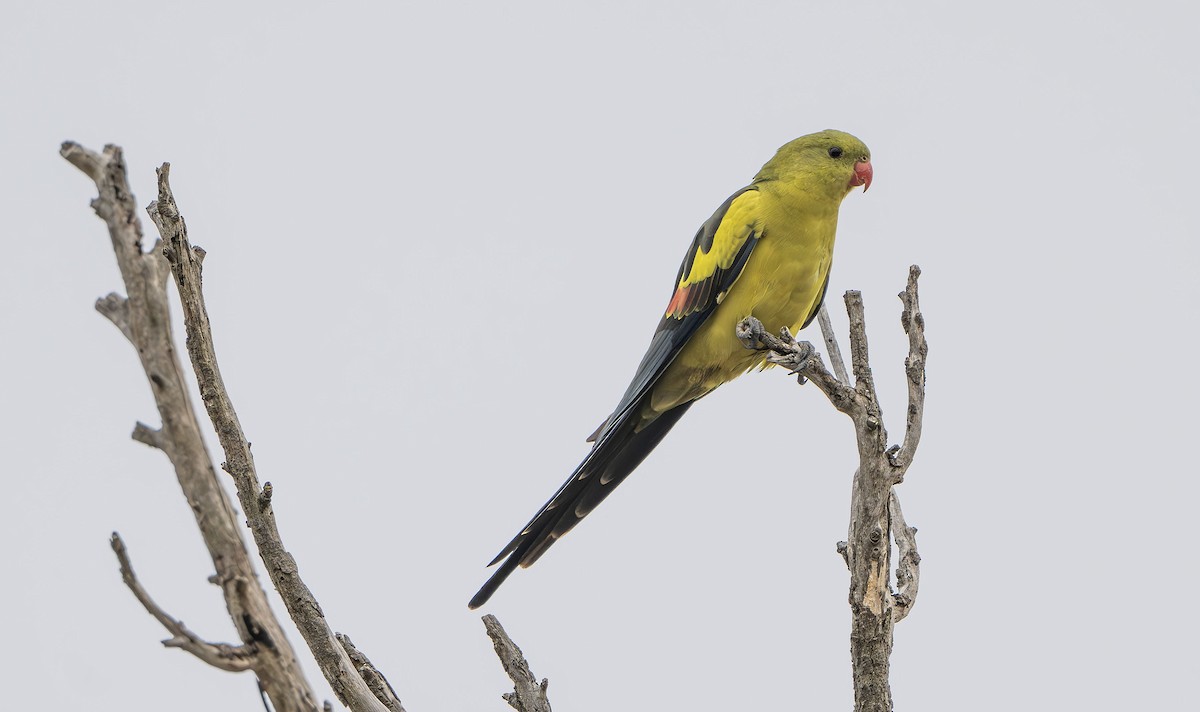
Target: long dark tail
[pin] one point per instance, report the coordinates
(611, 460)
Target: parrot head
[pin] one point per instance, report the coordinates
(833, 161)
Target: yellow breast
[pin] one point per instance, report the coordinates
(779, 285)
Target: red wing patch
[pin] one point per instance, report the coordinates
(690, 298)
(713, 263)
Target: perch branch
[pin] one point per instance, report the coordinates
(185, 261)
(800, 359)
(232, 658)
(528, 694)
(144, 318)
(875, 515)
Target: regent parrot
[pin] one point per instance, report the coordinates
(766, 253)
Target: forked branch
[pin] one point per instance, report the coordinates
(875, 515)
(144, 319)
(185, 260)
(231, 658)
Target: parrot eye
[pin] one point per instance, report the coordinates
(835, 151)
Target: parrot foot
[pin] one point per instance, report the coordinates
(751, 333)
(785, 350)
(796, 360)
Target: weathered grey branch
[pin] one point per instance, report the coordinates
(379, 685)
(233, 658)
(528, 694)
(908, 571)
(92, 164)
(914, 367)
(147, 435)
(144, 318)
(836, 362)
(116, 309)
(185, 261)
(800, 359)
(875, 514)
(860, 360)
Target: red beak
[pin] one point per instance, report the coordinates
(862, 175)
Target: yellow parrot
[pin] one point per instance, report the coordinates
(766, 253)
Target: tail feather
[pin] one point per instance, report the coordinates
(610, 461)
(624, 461)
(493, 583)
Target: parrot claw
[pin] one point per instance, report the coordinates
(786, 351)
(797, 360)
(750, 332)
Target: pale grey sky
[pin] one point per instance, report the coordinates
(439, 236)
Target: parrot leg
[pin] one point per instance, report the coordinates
(751, 333)
(791, 354)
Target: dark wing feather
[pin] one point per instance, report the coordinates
(620, 444)
(817, 305)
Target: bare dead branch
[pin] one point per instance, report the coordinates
(232, 658)
(908, 570)
(800, 359)
(375, 680)
(860, 361)
(836, 362)
(147, 435)
(116, 309)
(185, 260)
(914, 367)
(144, 318)
(875, 515)
(528, 694)
(92, 164)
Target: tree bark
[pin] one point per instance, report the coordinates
(875, 515)
(528, 694)
(144, 318)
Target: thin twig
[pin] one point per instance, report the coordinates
(528, 694)
(908, 570)
(375, 680)
(860, 361)
(145, 319)
(914, 367)
(232, 658)
(185, 260)
(836, 362)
